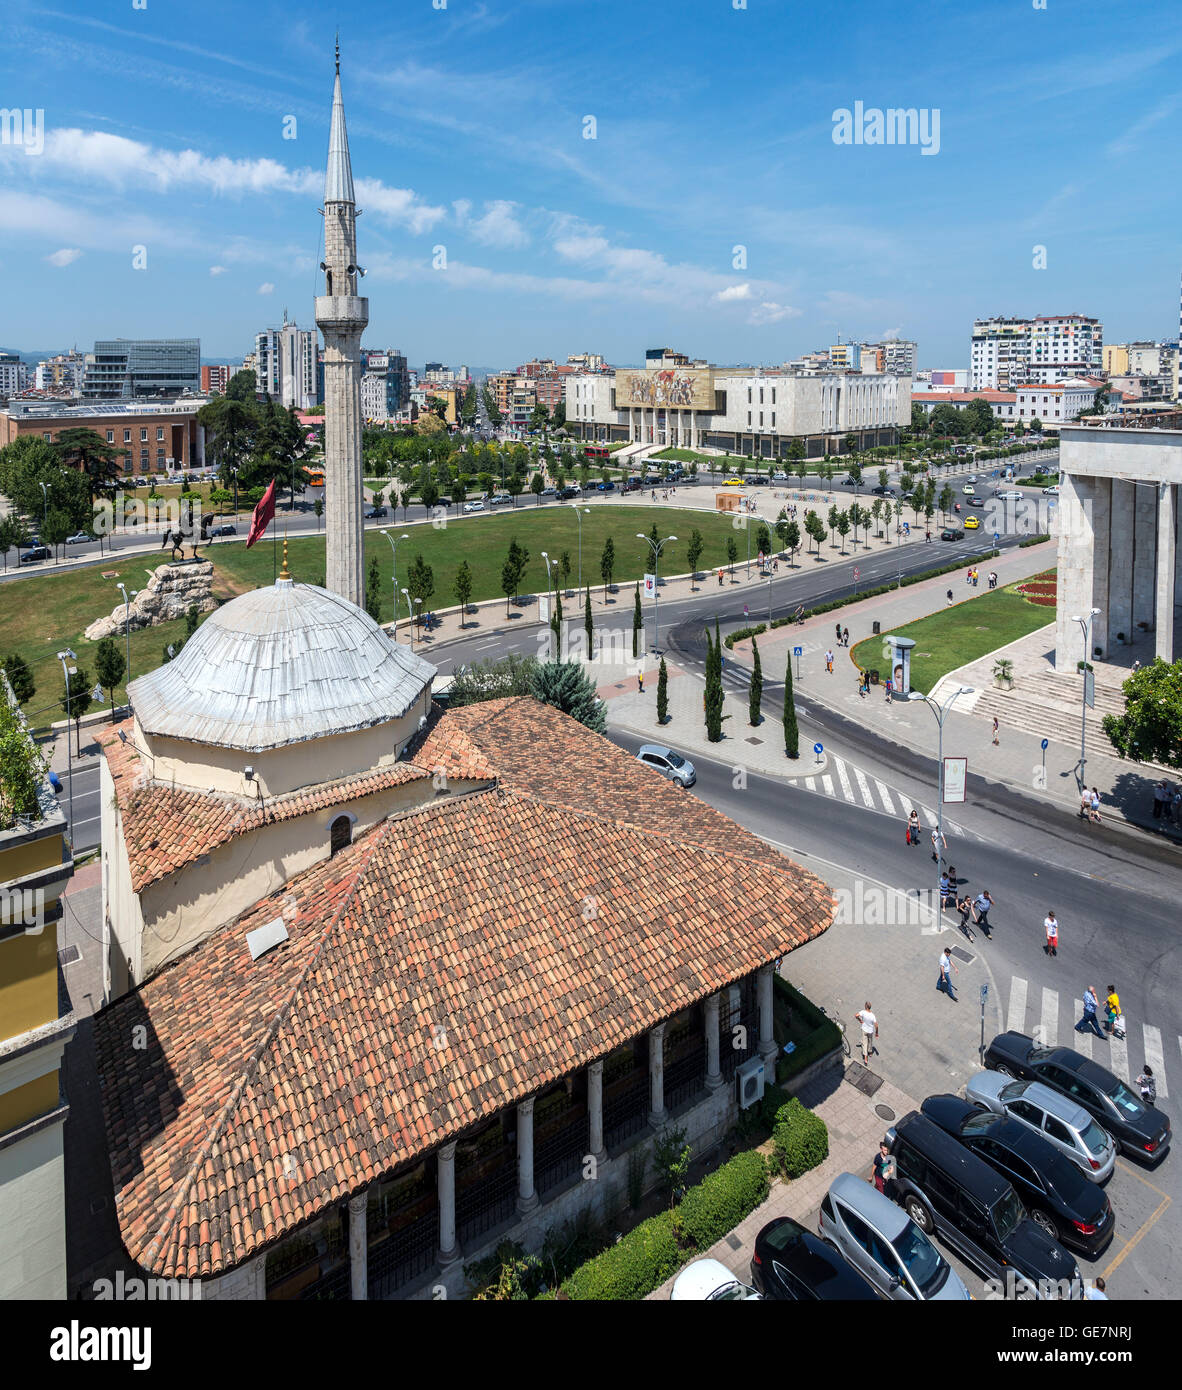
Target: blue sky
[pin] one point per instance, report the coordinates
(164, 125)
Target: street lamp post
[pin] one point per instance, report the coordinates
(394, 577)
(941, 713)
(127, 637)
(656, 547)
(62, 657)
(411, 612)
(549, 596)
(1085, 626)
(580, 512)
(45, 510)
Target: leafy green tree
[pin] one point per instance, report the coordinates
(318, 510)
(1150, 729)
(556, 623)
(693, 553)
(791, 537)
(791, 732)
(763, 539)
(566, 686)
(851, 443)
(607, 564)
(564, 568)
(755, 691)
(536, 485)
(492, 680)
(12, 536)
(637, 625)
(87, 451)
(373, 591)
(1035, 425)
(420, 580)
(508, 581)
(882, 477)
(429, 494)
(662, 693)
(242, 386)
(78, 702)
(946, 501)
(855, 472)
(671, 1160)
(463, 588)
(732, 553)
(109, 666)
(19, 677)
(876, 513)
(843, 527)
(230, 424)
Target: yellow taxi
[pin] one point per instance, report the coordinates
(733, 482)
(971, 523)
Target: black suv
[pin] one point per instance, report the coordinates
(1141, 1130)
(567, 492)
(1058, 1196)
(945, 1189)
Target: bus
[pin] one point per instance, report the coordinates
(315, 476)
(597, 451)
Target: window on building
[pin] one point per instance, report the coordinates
(143, 436)
(340, 835)
(48, 436)
(159, 433)
(110, 436)
(748, 417)
(773, 395)
(127, 436)
(761, 395)
(749, 399)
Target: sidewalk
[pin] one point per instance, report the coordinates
(1126, 789)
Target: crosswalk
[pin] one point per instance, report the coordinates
(1053, 1025)
(847, 782)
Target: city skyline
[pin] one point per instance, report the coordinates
(469, 126)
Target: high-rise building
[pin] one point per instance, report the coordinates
(121, 368)
(12, 374)
(341, 315)
(215, 377)
(390, 365)
(61, 375)
(846, 357)
(1045, 350)
(285, 365)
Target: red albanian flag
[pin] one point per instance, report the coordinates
(264, 514)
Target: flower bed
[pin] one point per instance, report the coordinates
(1041, 590)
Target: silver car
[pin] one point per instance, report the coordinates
(884, 1245)
(668, 764)
(1057, 1118)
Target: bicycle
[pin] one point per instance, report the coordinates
(835, 1018)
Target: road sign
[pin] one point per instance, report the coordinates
(857, 574)
(1045, 743)
(97, 695)
(797, 651)
(818, 749)
(996, 538)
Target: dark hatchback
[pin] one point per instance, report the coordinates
(1068, 1207)
(791, 1263)
(1141, 1130)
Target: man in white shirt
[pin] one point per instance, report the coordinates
(869, 1031)
(947, 966)
(1096, 1290)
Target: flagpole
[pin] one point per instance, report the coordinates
(274, 555)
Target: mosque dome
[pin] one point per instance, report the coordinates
(277, 666)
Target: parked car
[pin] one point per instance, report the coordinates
(668, 764)
(35, 555)
(968, 489)
(567, 492)
(779, 476)
(733, 482)
(633, 485)
(884, 1245)
(709, 1281)
(791, 1263)
(1141, 1130)
(951, 533)
(474, 506)
(947, 1190)
(1058, 1197)
(374, 513)
(1052, 491)
(1012, 495)
(883, 491)
(78, 538)
(1060, 1121)
(228, 529)
(606, 485)
(972, 523)
(499, 499)
(548, 492)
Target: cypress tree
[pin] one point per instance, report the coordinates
(637, 624)
(714, 691)
(755, 697)
(589, 626)
(662, 693)
(791, 732)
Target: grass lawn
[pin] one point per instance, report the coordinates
(39, 616)
(955, 636)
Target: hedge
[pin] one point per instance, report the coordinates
(721, 1200)
(633, 1267)
(1032, 540)
(800, 1138)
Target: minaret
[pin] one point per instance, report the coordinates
(341, 316)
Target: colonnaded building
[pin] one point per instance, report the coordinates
(1119, 546)
(672, 402)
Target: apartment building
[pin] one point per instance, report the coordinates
(286, 365)
(1009, 352)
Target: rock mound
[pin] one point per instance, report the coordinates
(171, 592)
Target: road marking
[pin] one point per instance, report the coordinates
(929, 817)
(1016, 1014)
(864, 788)
(887, 804)
(827, 783)
(846, 790)
(1156, 1058)
(1118, 1057)
(811, 783)
(1049, 1022)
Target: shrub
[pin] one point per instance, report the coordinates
(800, 1138)
(721, 1200)
(631, 1268)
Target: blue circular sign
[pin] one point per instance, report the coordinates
(1045, 742)
(818, 748)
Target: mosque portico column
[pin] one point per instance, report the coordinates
(449, 1249)
(527, 1197)
(595, 1111)
(656, 1076)
(767, 1037)
(358, 1248)
(713, 1059)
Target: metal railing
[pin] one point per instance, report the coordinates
(686, 1077)
(626, 1113)
(403, 1256)
(487, 1201)
(559, 1154)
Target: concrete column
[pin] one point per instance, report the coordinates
(1177, 553)
(449, 1249)
(713, 1065)
(1166, 564)
(1144, 555)
(595, 1110)
(1101, 531)
(1120, 561)
(1076, 565)
(527, 1198)
(656, 1076)
(693, 429)
(767, 1034)
(358, 1248)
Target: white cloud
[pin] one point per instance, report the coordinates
(217, 270)
(462, 207)
(770, 312)
(733, 292)
(266, 287)
(66, 256)
(499, 226)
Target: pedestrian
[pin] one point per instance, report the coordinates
(1161, 795)
(861, 685)
(968, 575)
(981, 905)
(949, 598)
(1052, 925)
(869, 1032)
(1091, 1005)
(947, 965)
(938, 843)
(884, 1169)
(745, 614)
(720, 578)
(965, 908)
(995, 739)
(976, 576)
(1147, 1085)
(640, 682)
(927, 535)
(913, 828)
(845, 637)
(888, 688)
(1085, 805)
(1112, 1008)
(1095, 1290)
(829, 662)
(839, 634)
(947, 890)
(1176, 806)
(1094, 807)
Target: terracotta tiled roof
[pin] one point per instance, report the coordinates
(450, 963)
(165, 828)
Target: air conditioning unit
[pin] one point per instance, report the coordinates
(750, 1078)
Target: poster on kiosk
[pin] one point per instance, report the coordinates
(898, 651)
